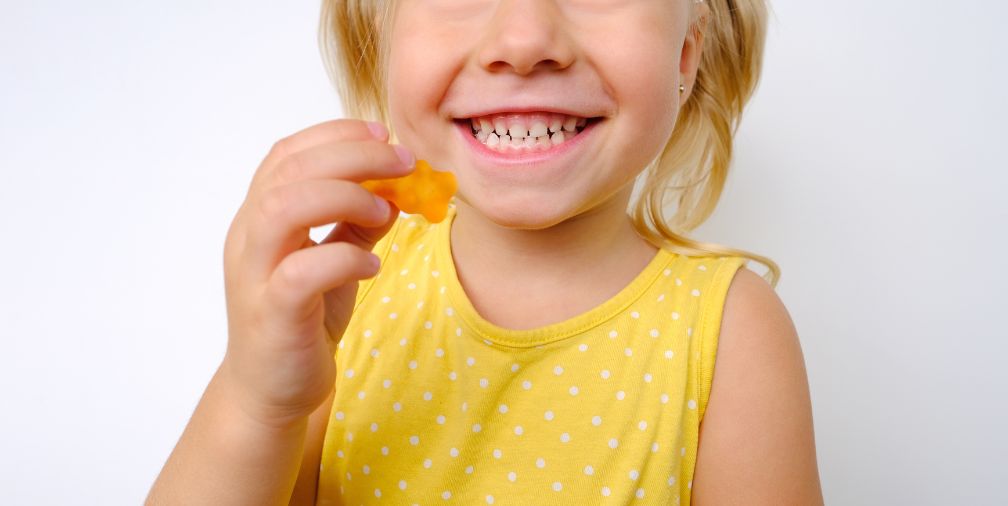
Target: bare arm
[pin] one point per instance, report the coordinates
(756, 439)
(226, 457)
(307, 480)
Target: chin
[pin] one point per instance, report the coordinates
(519, 214)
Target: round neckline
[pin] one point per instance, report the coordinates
(538, 336)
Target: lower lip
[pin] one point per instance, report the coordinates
(523, 156)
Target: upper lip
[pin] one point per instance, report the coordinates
(519, 109)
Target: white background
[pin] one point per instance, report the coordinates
(870, 165)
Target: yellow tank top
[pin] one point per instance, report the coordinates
(435, 405)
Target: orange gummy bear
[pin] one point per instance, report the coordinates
(425, 191)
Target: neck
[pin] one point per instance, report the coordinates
(507, 272)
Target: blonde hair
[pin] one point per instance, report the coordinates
(692, 168)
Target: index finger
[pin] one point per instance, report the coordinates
(328, 131)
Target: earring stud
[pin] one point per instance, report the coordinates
(682, 89)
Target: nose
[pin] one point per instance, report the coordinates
(525, 36)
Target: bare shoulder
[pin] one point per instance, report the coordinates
(756, 438)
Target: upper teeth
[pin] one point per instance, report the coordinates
(537, 130)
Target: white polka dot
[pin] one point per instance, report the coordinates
(349, 436)
(606, 491)
(384, 450)
(440, 419)
(419, 305)
(349, 373)
(428, 325)
(339, 453)
(435, 273)
(514, 367)
(518, 430)
(464, 405)
(454, 452)
(654, 447)
(605, 374)
(596, 420)
(558, 370)
(565, 438)
(428, 463)
(695, 292)
(393, 316)
(573, 390)
(702, 267)
(339, 415)
(667, 272)
(613, 443)
(489, 499)
(497, 453)
(449, 311)
(689, 333)
(484, 382)
(470, 361)
(548, 416)
(557, 486)
(582, 347)
(648, 377)
(477, 427)
(428, 396)
(675, 316)
(634, 474)
(661, 297)
(634, 314)
(628, 352)
(469, 469)
(640, 493)
(620, 395)
(678, 282)
(487, 342)
(404, 272)
(397, 407)
(589, 470)
(691, 404)
(374, 427)
(502, 408)
(367, 333)
(386, 383)
(366, 469)
(348, 475)
(682, 451)
(402, 342)
(512, 476)
(446, 495)
(671, 481)
(669, 354)
(402, 484)
(540, 462)
(689, 484)
(527, 385)
(452, 376)
(642, 425)
(386, 299)
(664, 398)
(411, 286)
(612, 334)
(414, 440)
(654, 333)
(413, 364)
(458, 331)
(377, 492)
(361, 394)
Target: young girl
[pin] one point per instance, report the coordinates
(540, 345)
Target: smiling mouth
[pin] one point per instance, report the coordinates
(526, 131)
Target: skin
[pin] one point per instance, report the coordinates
(256, 436)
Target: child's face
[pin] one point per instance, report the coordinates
(614, 65)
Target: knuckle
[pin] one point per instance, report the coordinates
(275, 203)
(281, 148)
(291, 273)
(291, 168)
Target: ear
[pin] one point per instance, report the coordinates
(689, 61)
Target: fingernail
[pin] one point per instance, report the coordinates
(378, 130)
(382, 205)
(404, 155)
(375, 261)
